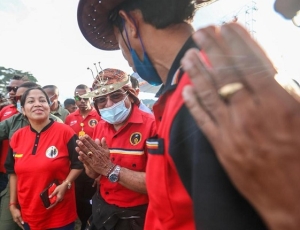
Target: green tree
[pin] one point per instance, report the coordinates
(7, 73)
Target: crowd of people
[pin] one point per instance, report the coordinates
(218, 151)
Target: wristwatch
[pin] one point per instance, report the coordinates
(114, 175)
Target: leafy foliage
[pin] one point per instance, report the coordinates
(7, 73)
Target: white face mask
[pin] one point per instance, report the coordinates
(115, 114)
(51, 102)
(19, 108)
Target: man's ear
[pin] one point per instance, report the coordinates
(130, 22)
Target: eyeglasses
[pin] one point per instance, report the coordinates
(10, 88)
(114, 97)
(78, 98)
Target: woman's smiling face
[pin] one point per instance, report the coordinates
(36, 107)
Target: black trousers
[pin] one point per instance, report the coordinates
(84, 193)
(111, 217)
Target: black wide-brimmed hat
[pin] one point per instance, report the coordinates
(93, 21)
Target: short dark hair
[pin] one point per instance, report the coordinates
(159, 13)
(53, 87)
(134, 82)
(24, 96)
(81, 86)
(29, 84)
(69, 101)
(20, 77)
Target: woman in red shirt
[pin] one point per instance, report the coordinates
(39, 154)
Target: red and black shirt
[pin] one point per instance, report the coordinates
(187, 186)
(86, 124)
(128, 149)
(37, 159)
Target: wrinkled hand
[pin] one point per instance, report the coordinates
(255, 133)
(16, 215)
(99, 162)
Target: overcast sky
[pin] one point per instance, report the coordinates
(42, 37)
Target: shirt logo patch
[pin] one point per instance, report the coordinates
(7, 113)
(155, 146)
(135, 138)
(18, 155)
(73, 123)
(51, 152)
(93, 122)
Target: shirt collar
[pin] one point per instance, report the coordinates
(176, 71)
(45, 128)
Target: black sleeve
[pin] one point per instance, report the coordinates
(75, 163)
(217, 204)
(10, 162)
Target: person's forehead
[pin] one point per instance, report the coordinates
(80, 92)
(35, 93)
(49, 91)
(21, 91)
(15, 83)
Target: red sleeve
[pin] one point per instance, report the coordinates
(67, 121)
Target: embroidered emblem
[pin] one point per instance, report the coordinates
(93, 122)
(18, 155)
(155, 146)
(52, 152)
(73, 123)
(135, 138)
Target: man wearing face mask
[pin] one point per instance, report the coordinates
(121, 157)
(8, 127)
(194, 190)
(55, 106)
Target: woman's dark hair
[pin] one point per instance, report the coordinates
(159, 13)
(28, 85)
(24, 96)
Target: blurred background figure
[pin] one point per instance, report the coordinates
(69, 104)
(3, 101)
(55, 106)
(135, 85)
(5, 113)
(13, 85)
(83, 121)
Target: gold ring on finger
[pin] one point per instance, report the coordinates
(228, 90)
(90, 153)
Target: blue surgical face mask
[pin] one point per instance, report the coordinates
(145, 67)
(115, 114)
(19, 108)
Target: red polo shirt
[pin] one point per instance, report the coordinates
(89, 122)
(39, 160)
(7, 112)
(128, 149)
